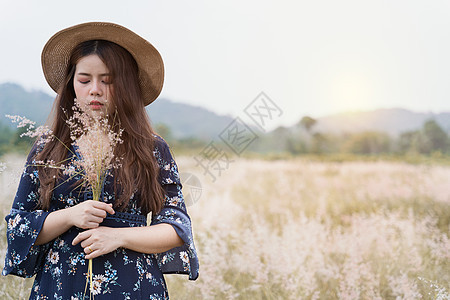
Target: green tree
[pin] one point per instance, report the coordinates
(319, 143)
(307, 123)
(21, 143)
(6, 134)
(369, 142)
(164, 131)
(296, 146)
(433, 138)
(409, 142)
(280, 138)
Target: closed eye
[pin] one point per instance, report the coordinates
(83, 82)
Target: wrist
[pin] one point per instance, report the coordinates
(121, 237)
(67, 216)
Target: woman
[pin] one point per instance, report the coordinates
(54, 226)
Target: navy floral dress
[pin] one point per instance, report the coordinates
(61, 268)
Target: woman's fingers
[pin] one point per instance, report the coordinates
(98, 212)
(81, 237)
(90, 213)
(91, 252)
(109, 208)
(96, 242)
(94, 223)
(84, 238)
(102, 207)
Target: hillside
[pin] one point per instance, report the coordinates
(186, 120)
(393, 121)
(15, 100)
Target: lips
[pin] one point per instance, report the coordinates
(95, 104)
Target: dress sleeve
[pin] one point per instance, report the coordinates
(24, 222)
(183, 259)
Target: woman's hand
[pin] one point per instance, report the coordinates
(147, 239)
(89, 214)
(86, 215)
(98, 241)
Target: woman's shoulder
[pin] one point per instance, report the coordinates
(163, 154)
(161, 148)
(160, 143)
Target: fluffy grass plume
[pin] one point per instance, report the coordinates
(95, 140)
(296, 229)
(299, 229)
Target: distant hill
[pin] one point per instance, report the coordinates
(15, 100)
(393, 121)
(183, 120)
(186, 120)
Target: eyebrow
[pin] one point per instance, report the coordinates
(87, 74)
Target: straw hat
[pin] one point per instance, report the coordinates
(56, 53)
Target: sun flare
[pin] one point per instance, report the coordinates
(350, 92)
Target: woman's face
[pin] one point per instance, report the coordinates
(92, 85)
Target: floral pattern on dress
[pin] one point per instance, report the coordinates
(61, 268)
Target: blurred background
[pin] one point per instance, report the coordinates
(370, 76)
(338, 186)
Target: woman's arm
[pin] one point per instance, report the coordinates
(150, 239)
(86, 215)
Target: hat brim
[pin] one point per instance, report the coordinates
(57, 51)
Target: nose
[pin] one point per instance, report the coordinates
(96, 89)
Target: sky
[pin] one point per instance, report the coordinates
(309, 57)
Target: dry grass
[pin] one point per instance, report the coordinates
(299, 229)
(11, 287)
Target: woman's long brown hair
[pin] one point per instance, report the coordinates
(139, 170)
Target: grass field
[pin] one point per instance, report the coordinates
(306, 229)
